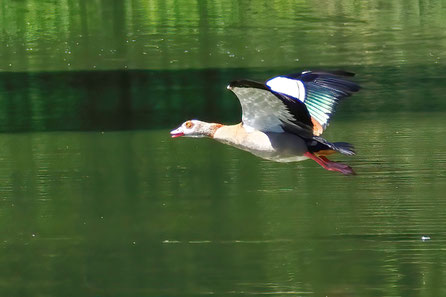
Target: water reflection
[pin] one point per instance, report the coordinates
(160, 34)
(220, 221)
(126, 100)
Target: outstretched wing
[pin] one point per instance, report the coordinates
(268, 111)
(319, 91)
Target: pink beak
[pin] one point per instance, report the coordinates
(176, 133)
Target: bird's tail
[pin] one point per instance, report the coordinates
(322, 147)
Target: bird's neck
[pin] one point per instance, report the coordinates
(210, 129)
(229, 133)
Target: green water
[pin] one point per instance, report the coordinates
(96, 199)
(181, 34)
(135, 213)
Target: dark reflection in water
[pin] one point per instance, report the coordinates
(126, 100)
(137, 213)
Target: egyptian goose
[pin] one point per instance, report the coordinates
(283, 118)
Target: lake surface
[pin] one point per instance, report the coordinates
(96, 199)
(135, 213)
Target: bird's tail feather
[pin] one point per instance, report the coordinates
(344, 148)
(319, 144)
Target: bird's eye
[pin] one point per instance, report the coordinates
(189, 125)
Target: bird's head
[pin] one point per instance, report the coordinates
(194, 128)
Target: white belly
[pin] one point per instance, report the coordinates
(279, 147)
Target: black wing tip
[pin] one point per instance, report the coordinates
(307, 76)
(337, 79)
(355, 88)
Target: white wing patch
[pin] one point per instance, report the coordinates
(291, 87)
(262, 110)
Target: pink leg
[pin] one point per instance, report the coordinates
(330, 165)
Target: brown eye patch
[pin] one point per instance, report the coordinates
(189, 125)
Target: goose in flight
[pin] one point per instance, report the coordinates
(283, 118)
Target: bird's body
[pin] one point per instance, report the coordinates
(274, 146)
(282, 119)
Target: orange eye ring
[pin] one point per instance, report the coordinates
(189, 125)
